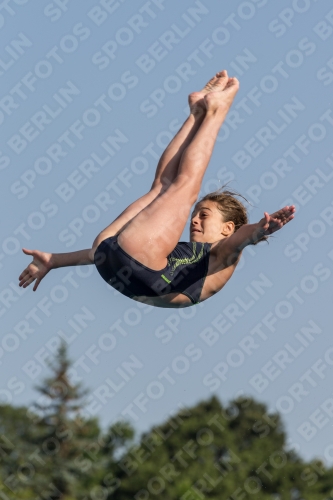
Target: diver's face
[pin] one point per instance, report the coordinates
(207, 225)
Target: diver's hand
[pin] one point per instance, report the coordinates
(272, 223)
(39, 267)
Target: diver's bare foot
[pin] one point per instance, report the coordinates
(222, 99)
(196, 99)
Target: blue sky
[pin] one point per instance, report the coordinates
(90, 97)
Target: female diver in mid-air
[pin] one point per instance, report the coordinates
(139, 254)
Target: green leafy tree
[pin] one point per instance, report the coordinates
(215, 452)
(15, 428)
(209, 451)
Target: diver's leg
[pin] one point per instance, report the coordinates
(155, 231)
(168, 165)
(167, 168)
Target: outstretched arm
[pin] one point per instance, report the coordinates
(43, 262)
(250, 234)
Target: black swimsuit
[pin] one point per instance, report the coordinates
(185, 272)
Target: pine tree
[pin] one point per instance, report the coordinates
(53, 459)
(62, 436)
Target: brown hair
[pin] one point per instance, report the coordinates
(230, 207)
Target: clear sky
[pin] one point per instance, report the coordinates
(91, 93)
